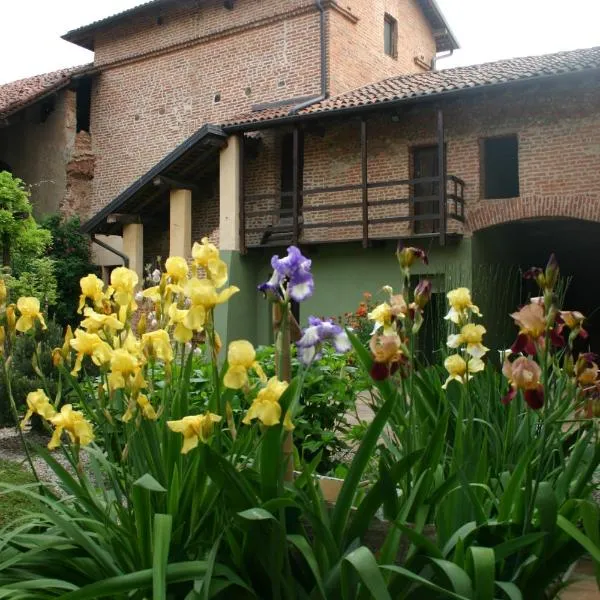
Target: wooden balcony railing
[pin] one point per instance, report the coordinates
(361, 218)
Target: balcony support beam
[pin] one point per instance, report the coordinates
(365, 181)
(295, 184)
(442, 175)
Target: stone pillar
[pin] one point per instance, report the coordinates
(229, 195)
(180, 224)
(133, 247)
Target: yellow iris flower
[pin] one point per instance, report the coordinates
(472, 336)
(89, 344)
(123, 282)
(382, 316)
(158, 344)
(92, 288)
(177, 317)
(123, 367)
(74, 423)
(29, 308)
(195, 428)
(204, 296)
(94, 321)
(460, 305)
(460, 370)
(204, 252)
(143, 403)
(266, 408)
(3, 291)
(241, 357)
(38, 403)
(176, 268)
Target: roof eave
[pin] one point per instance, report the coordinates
(206, 132)
(389, 104)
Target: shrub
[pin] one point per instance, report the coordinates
(71, 256)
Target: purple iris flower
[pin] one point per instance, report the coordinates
(317, 332)
(291, 277)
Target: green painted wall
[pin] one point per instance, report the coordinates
(342, 273)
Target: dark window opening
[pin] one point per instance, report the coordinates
(500, 167)
(426, 194)
(5, 167)
(390, 36)
(46, 109)
(84, 104)
(287, 172)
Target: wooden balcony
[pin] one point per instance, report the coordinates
(356, 212)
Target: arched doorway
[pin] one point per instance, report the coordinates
(512, 248)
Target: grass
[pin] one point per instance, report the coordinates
(13, 505)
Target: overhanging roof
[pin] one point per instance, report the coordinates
(420, 87)
(183, 163)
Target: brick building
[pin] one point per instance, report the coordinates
(327, 124)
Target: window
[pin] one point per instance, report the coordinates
(287, 171)
(390, 36)
(500, 167)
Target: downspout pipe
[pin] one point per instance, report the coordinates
(324, 66)
(437, 57)
(104, 245)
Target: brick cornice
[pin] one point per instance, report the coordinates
(334, 5)
(224, 33)
(488, 213)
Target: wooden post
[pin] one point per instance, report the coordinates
(242, 194)
(365, 181)
(295, 184)
(442, 175)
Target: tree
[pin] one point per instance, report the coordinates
(28, 272)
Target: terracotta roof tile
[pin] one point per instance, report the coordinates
(423, 85)
(18, 94)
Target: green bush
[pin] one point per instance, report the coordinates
(70, 253)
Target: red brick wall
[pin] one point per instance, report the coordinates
(558, 126)
(142, 109)
(357, 54)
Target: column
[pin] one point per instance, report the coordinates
(180, 223)
(229, 195)
(133, 247)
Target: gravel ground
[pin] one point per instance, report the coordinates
(12, 449)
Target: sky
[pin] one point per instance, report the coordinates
(486, 30)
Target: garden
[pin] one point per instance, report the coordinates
(183, 469)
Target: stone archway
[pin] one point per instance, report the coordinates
(488, 213)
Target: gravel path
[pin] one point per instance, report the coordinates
(12, 449)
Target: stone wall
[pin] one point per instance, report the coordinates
(37, 144)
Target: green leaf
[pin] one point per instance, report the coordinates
(483, 568)
(364, 563)
(160, 556)
(304, 548)
(424, 582)
(547, 506)
(579, 537)
(458, 578)
(139, 580)
(256, 514)
(513, 488)
(506, 549)
(148, 482)
(510, 589)
(419, 540)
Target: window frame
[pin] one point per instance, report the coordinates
(482, 165)
(389, 20)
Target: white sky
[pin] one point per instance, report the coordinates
(486, 30)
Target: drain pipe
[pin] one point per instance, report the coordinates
(437, 57)
(324, 67)
(104, 245)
